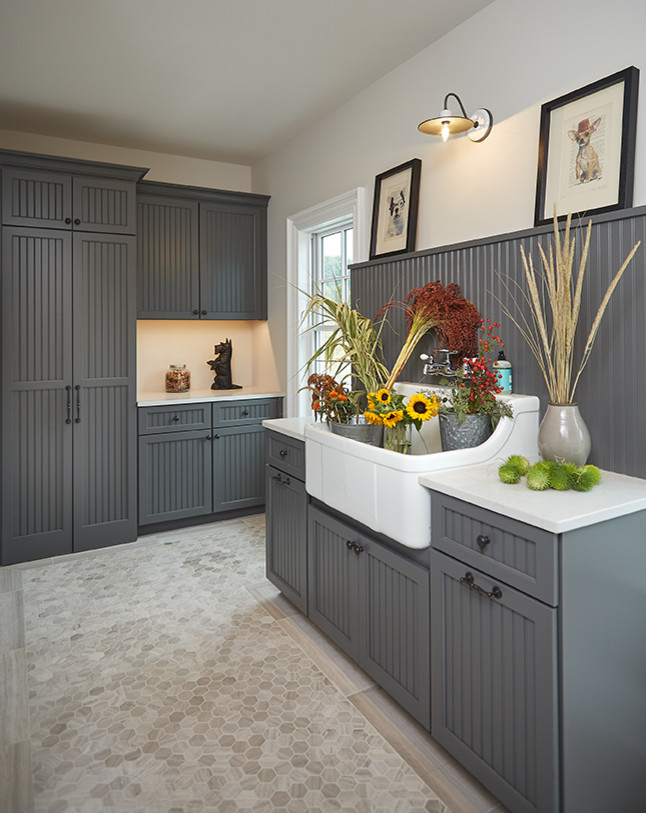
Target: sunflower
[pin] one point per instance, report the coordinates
(421, 408)
(383, 396)
(371, 398)
(393, 417)
(372, 417)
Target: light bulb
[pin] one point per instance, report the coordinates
(446, 132)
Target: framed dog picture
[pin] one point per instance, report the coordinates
(394, 212)
(586, 155)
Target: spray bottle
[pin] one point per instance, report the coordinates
(503, 371)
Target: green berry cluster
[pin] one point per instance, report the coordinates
(546, 474)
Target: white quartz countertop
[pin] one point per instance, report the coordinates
(162, 398)
(554, 511)
(294, 427)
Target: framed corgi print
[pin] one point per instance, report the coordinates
(586, 153)
(394, 212)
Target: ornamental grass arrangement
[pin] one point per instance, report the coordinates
(553, 297)
(353, 346)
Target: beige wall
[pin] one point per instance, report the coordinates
(511, 57)
(164, 342)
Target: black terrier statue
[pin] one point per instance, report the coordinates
(221, 366)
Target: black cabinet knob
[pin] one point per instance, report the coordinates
(68, 220)
(216, 437)
(203, 313)
(175, 418)
(483, 541)
(244, 413)
(77, 222)
(358, 549)
(283, 452)
(195, 312)
(349, 544)
(208, 437)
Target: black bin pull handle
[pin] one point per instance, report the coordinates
(78, 404)
(68, 404)
(468, 579)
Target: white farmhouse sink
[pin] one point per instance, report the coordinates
(381, 489)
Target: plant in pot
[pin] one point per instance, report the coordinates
(396, 414)
(553, 301)
(471, 412)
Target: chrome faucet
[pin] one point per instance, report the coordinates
(439, 363)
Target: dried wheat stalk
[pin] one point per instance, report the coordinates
(554, 316)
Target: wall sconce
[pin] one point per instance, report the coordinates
(479, 124)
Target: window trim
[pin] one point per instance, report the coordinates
(300, 228)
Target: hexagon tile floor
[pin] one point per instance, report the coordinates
(168, 676)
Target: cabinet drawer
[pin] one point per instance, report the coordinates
(515, 553)
(174, 418)
(242, 412)
(287, 454)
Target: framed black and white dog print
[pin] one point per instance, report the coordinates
(394, 212)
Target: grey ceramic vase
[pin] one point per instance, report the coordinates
(473, 431)
(359, 430)
(563, 436)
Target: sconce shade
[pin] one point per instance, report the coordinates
(447, 123)
(456, 124)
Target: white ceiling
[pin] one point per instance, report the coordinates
(227, 80)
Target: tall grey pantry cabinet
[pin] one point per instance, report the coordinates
(68, 355)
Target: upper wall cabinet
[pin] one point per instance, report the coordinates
(202, 254)
(54, 200)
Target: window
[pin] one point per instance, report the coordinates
(321, 243)
(332, 252)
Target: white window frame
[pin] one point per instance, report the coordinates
(300, 228)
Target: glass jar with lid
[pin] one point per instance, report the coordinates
(178, 378)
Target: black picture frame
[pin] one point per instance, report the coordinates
(394, 210)
(605, 116)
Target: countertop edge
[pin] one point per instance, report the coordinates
(292, 427)
(146, 399)
(553, 511)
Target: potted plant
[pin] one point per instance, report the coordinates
(470, 413)
(341, 409)
(550, 332)
(391, 410)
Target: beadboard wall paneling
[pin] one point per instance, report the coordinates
(612, 389)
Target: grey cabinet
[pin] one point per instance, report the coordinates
(68, 401)
(286, 517)
(373, 602)
(536, 680)
(56, 200)
(493, 656)
(202, 253)
(201, 459)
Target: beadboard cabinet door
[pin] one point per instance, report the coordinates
(175, 476)
(238, 471)
(36, 380)
(105, 412)
(494, 684)
(233, 274)
(168, 280)
(286, 545)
